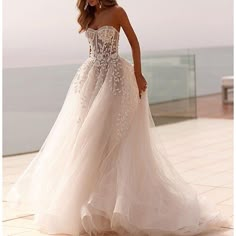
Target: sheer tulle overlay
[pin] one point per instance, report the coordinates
(100, 169)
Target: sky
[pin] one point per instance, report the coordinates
(38, 33)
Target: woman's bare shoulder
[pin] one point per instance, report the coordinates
(120, 13)
(118, 9)
(117, 12)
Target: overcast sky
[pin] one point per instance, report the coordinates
(45, 32)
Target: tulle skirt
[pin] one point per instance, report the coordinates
(100, 169)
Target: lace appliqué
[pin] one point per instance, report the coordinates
(104, 64)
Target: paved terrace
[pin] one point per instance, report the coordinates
(200, 149)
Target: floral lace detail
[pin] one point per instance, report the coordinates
(129, 99)
(103, 43)
(105, 64)
(79, 80)
(79, 77)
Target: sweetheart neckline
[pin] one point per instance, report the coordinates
(104, 27)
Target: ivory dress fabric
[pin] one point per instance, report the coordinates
(100, 171)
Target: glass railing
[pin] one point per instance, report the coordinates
(32, 97)
(171, 86)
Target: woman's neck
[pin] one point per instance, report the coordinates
(99, 10)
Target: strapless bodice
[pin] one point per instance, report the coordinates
(103, 42)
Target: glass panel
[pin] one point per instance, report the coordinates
(32, 99)
(33, 96)
(171, 86)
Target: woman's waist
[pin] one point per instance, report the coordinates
(104, 57)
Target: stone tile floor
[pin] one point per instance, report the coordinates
(200, 149)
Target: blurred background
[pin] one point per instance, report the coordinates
(186, 47)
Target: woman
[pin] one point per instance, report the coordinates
(99, 170)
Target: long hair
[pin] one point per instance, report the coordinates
(86, 16)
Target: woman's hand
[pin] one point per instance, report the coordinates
(142, 83)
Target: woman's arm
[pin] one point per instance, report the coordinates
(132, 38)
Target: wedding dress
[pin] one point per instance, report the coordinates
(100, 169)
